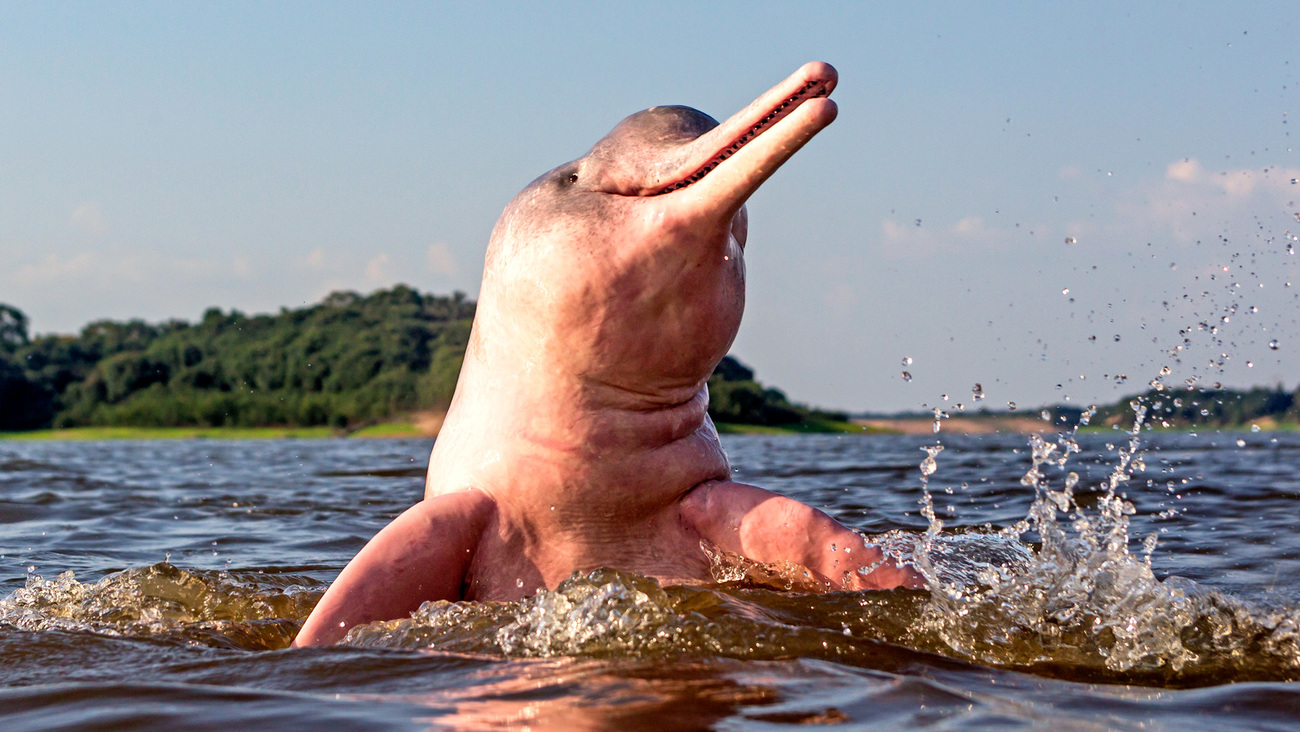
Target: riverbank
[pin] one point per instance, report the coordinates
(962, 425)
(812, 426)
(396, 429)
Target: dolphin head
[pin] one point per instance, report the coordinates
(625, 266)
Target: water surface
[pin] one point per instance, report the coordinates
(157, 584)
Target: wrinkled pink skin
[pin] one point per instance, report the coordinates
(578, 436)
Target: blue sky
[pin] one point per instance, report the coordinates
(159, 159)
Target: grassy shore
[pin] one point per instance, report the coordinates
(391, 429)
(818, 426)
(171, 433)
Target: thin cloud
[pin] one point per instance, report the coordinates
(1185, 204)
(967, 233)
(1193, 203)
(88, 219)
(440, 260)
(1187, 170)
(80, 267)
(315, 260)
(376, 270)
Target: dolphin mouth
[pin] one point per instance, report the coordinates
(713, 148)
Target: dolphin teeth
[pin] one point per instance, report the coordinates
(749, 134)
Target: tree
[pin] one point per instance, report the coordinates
(13, 328)
(24, 404)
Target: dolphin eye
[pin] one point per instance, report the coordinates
(573, 177)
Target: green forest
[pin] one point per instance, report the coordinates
(346, 362)
(356, 360)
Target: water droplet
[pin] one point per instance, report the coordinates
(1254, 428)
(1273, 344)
(1250, 364)
(1011, 406)
(1069, 240)
(907, 360)
(31, 568)
(1254, 309)
(918, 221)
(1241, 442)
(944, 397)
(1065, 291)
(834, 548)
(928, 465)
(519, 583)
(907, 376)
(1117, 337)
(977, 392)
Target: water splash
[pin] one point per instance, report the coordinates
(245, 609)
(607, 613)
(1082, 599)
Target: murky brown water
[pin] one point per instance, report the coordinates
(194, 562)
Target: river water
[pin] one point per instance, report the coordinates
(157, 585)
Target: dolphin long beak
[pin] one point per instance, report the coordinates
(725, 165)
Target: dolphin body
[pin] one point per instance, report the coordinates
(578, 436)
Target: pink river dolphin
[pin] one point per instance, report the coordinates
(578, 436)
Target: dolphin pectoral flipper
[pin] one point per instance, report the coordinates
(767, 527)
(423, 554)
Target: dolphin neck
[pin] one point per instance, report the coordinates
(582, 415)
(513, 438)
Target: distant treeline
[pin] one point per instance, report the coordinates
(1180, 408)
(348, 361)
(1208, 408)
